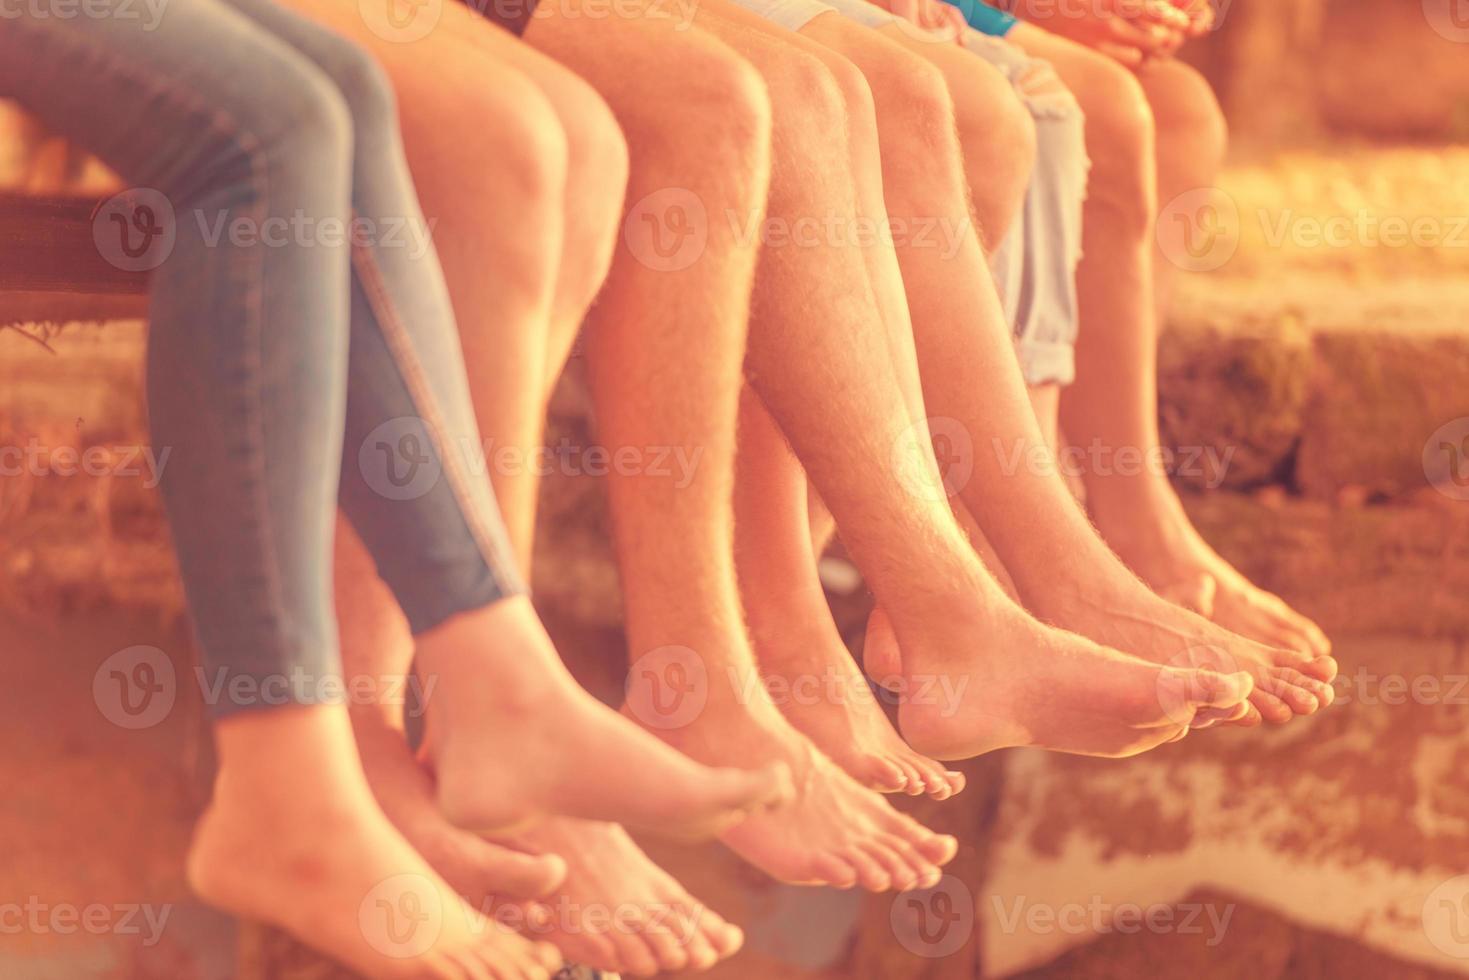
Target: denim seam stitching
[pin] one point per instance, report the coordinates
(401, 347)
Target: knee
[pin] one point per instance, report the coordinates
(716, 130)
(596, 188)
(296, 128)
(1122, 140)
(1003, 142)
(907, 87)
(855, 93)
(1186, 109)
(526, 151)
(997, 130)
(361, 82)
(596, 152)
(810, 103)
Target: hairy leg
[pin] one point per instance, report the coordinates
(675, 542)
(838, 393)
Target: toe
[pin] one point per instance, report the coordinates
(725, 937)
(1250, 719)
(1306, 635)
(829, 869)
(901, 875)
(548, 956)
(870, 873)
(935, 779)
(1318, 689)
(925, 873)
(670, 951)
(701, 952)
(883, 775)
(937, 848)
(1282, 684)
(529, 966)
(634, 956)
(915, 784)
(517, 875)
(1271, 708)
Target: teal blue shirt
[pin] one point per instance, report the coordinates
(985, 18)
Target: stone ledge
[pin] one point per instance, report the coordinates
(1327, 407)
(1332, 562)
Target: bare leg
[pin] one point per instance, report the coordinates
(1061, 567)
(1124, 283)
(838, 393)
(510, 734)
(675, 542)
(826, 697)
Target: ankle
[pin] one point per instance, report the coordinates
(292, 757)
(497, 654)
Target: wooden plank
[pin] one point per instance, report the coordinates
(46, 247)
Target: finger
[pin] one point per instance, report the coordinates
(1149, 38)
(957, 23)
(1131, 57)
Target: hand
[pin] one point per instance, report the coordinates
(1130, 31)
(1200, 16)
(943, 19)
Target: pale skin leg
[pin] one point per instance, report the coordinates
(318, 813)
(511, 736)
(577, 865)
(675, 543)
(1151, 137)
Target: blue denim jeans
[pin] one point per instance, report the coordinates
(303, 351)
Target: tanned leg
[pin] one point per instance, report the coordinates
(834, 386)
(511, 736)
(1060, 566)
(1123, 282)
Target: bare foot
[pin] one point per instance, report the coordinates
(1152, 533)
(835, 832)
(294, 838)
(479, 870)
(512, 738)
(620, 912)
(1036, 685)
(1106, 603)
(817, 686)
